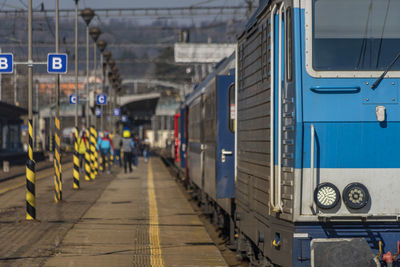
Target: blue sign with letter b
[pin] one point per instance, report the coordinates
(6, 63)
(57, 63)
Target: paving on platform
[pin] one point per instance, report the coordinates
(31, 243)
(141, 219)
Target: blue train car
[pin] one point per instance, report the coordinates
(318, 123)
(210, 143)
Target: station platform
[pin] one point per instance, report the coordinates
(136, 219)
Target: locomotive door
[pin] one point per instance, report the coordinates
(225, 136)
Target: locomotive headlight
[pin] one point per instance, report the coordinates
(355, 196)
(326, 196)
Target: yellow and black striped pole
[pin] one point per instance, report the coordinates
(96, 154)
(30, 165)
(92, 153)
(57, 150)
(101, 164)
(107, 158)
(76, 159)
(87, 156)
(57, 163)
(111, 157)
(30, 179)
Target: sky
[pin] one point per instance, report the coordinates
(49, 4)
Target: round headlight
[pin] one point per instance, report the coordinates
(355, 196)
(326, 196)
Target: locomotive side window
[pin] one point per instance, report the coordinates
(289, 45)
(355, 35)
(232, 108)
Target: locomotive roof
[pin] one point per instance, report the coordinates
(222, 67)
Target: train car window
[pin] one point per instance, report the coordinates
(232, 108)
(355, 35)
(194, 122)
(289, 44)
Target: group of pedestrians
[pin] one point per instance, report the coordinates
(125, 148)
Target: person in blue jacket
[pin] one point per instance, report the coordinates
(127, 145)
(106, 148)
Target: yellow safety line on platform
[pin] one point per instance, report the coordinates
(156, 259)
(39, 176)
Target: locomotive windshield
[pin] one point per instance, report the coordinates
(351, 35)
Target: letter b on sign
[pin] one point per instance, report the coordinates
(6, 63)
(57, 63)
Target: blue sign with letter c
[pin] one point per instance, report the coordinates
(101, 99)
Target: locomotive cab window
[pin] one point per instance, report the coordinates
(232, 107)
(355, 35)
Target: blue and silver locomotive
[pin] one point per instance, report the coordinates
(315, 118)
(318, 133)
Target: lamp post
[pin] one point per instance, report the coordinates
(111, 64)
(95, 33)
(110, 91)
(114, 78)
(102, 46)
(87, 14)
(106, 57)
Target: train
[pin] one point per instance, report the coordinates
(291, 144)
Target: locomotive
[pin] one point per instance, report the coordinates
(295, 151)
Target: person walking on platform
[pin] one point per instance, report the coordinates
(82, 149)
(127, 146)
(117, 140)
(106, 148)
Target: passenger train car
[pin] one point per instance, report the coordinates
(209, 143)
(316, 160)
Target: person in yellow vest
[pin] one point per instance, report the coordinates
(82, 140)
